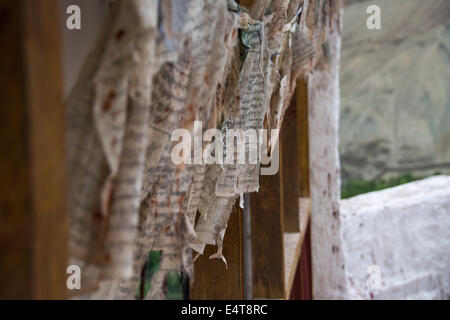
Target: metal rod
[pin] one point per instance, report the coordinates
(247, 249)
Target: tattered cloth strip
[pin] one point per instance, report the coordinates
(157, 68)
(107, 136)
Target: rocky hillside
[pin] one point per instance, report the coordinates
(395, 90)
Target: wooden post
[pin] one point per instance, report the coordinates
(212, 279)
(301, 98)
(302, 287)
(33, 230)
(267, 239)
(280, 211)
(289, 168)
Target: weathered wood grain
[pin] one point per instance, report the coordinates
(212, 279)
(289, 169)
(33, 235)
(267, 239)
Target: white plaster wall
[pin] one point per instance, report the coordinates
(328, 278)
(405, 231)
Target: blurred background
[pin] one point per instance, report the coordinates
(395, 94)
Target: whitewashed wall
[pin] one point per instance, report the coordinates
(405, 231)
(323, 102)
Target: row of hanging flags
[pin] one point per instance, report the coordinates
(158, 67)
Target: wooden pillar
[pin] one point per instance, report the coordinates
(280, 211)
(289, 168)
(213, 281)
(301, 99)
(302, 287)
(267, 227)
(33, 231)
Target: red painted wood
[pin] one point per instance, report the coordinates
(302, 286)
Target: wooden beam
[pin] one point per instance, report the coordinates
(301, 98)
(280, 211)
(295, 181)
(293, 244)
(212, 280)
(289, 169)
(295, 178)
(267, 240)
(33, 231)
(302, 283)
